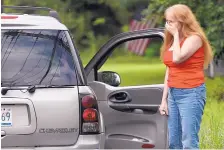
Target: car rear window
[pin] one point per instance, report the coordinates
(36, 57)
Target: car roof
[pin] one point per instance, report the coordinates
(25, 21)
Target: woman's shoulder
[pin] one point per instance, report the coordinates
(194, 39)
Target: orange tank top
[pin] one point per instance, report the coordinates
(188, 74)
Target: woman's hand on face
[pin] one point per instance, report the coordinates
(171, 28)
(163, 109)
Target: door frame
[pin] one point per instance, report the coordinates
(104, 52)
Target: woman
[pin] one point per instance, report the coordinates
(186, 52)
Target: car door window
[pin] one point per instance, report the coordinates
(137, 62)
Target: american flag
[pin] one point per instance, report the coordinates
(139, 46)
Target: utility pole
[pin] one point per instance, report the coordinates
(2, 7)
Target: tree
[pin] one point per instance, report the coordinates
(208, 12)
(91, 22)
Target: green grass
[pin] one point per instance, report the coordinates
(124, 58)
(212, 127)
(136, 70)
(138, 74)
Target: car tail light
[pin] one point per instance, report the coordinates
(89, 115)
(9, 17)
(148, 146)
(88, 101)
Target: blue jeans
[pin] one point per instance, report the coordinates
(185, 108)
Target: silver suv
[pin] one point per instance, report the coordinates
(49, 101)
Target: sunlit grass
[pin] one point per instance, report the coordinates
(212, 128)
(138, 74)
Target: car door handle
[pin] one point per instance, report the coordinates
(149, 109)
(134, 108)
(120, 97)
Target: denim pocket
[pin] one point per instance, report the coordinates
(201, 92)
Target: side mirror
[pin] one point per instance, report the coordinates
(109, 77)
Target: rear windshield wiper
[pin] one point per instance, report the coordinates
(32, 88)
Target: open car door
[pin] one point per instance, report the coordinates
(130, 113)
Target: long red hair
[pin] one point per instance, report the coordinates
(190, 26)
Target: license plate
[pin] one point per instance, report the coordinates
(6, 119)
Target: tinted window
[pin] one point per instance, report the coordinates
(31, 57)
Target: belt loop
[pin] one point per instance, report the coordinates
(170, 90)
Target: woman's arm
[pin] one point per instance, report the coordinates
(165, 90)
(190, 46)
(163, 107)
